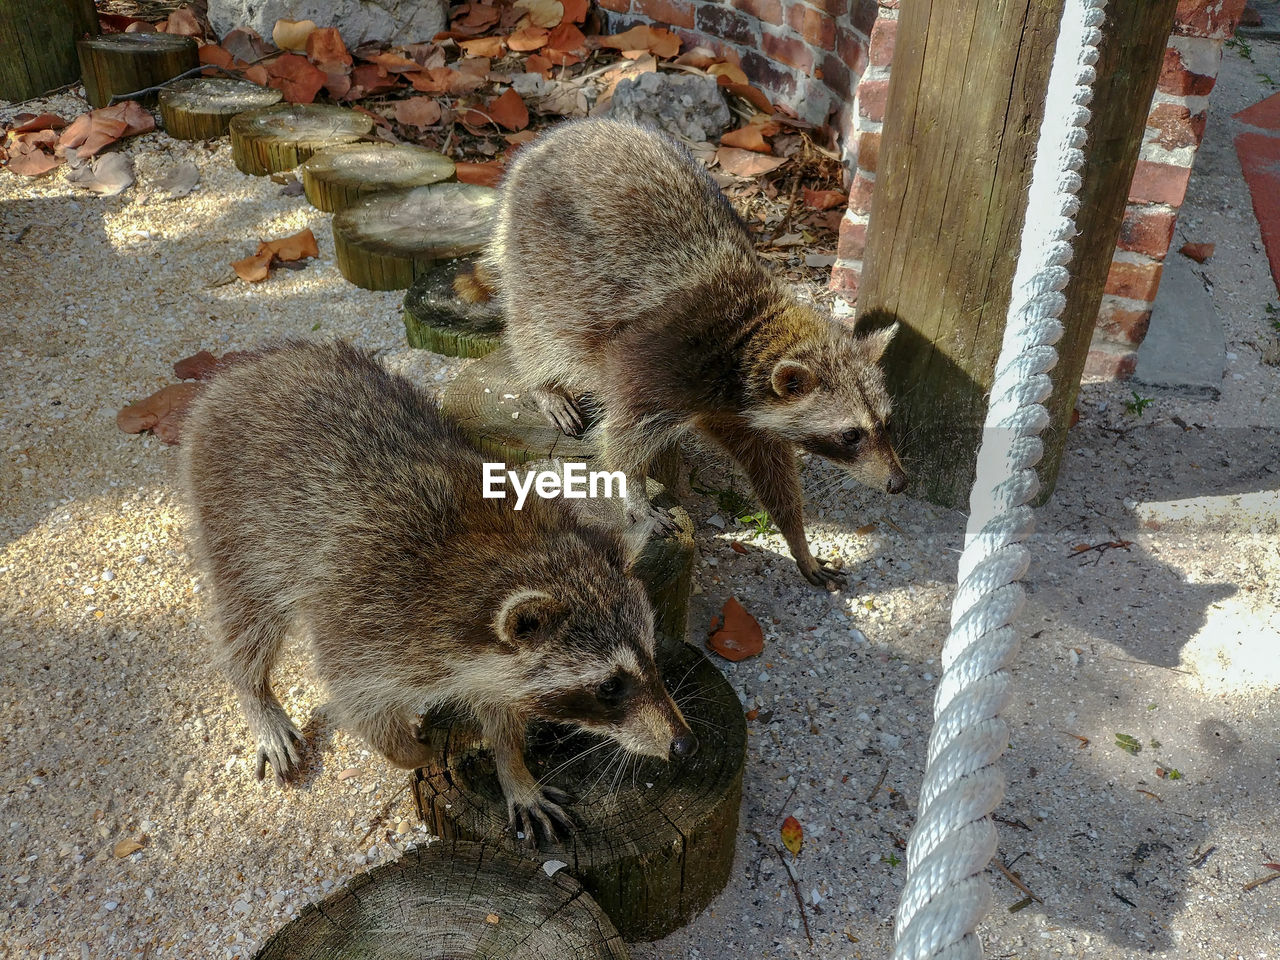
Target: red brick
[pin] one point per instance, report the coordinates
(853, 240)
(617, 6)
(1113, 364)
(872, 97)
(846, 280)
(728, 24)
(860, 194)
(1159, 183)
(673, 13)
(1137, 281)
(766, 11)
(851, 47)
(766, 73)
(869, 151)
(1146, 230)
(883, 35)
(837, 76)
(832, 8)
(1176, 79)
(864, 14)
(1207, 18)
(817, 28)
(1178, 128)
(1118, 325)
(788, 50)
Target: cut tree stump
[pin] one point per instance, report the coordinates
(201, 108)
(281, 137)
(437, 319)
(119, 63)
(655, 840)
(336, 177)
(488, 402)
(40, 49)
(385, 240)
(452, 900)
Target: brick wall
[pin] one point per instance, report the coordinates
(1174, 129)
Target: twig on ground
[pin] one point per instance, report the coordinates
(1258, 882)
(1198, 857)
(1101, 548)
(795, 888)
(879, 783)
(380, 819)
(1144, 663)
(1015, 880)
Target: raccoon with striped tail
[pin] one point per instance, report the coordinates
(625, 274)
(330, 496)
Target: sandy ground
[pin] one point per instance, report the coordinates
(114, 728)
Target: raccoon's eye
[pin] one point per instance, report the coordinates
(611, 689)
(851, 438)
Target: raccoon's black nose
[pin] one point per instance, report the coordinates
(685, 745)
(897, 482)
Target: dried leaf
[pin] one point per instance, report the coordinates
(745, 163)
(369, 79)
(542, 13)
(435, 80)
(482, 47)
(215, 56)
(1199, 252)
(296, 77)
(126, 847)
(700, 57)
(337, 84)
(537, 63)
(737, 635)
(509, 110)
(746, 138)
(567, 39)
(92, 131)
(575, 11)
(530, 38)
(792, 835)
(245, 44)
(28, 160)
(394, 63)
(474, 19)
(198, 366)
(45, 121)
(292, 34)
(253, 269)
(107, 175)
(748, 93)
(418, 111)
(327, 51)
(487, 174)
(738, 547)
(824, 199)
(299, 246)
(257, 74)
(183, 22)
(731, 72)
(866, 528)
(661, 43)
(161, 413)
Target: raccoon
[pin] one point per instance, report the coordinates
(625, 274)
(331, 496)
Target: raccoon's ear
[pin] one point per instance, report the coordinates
(524, 616)
(791, 379)
(878, 341)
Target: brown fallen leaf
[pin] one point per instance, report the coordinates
(747, 138)
(184, 22)
(567, 38)
(735, 634)
(327, 51)
(296, 77)
(575, 11)
(394, 63)
(213, 55)
(824, 199)
(1199, 252)
(486, 174)
(726, 72)
(700, 57)
(292, 34)
(866, 528)
(745, 163)
(162, 413)
(748, 93)
(537, 63)
(126, 847)
(473, 19)
(530, 38)
(792, 835)
(369, 79)
(509, 111)
(298, 246)
(92, 131)
(28, 160)
(661, 43)
(737, 547)
(482, 47)
(418, 111)
(253, 269)
(45, 121)
(542, 13)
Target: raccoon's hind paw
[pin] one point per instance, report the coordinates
(561, 410)
(279, 747)
(651, 520)
(822, 574)
(542, 813)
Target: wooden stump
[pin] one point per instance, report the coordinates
(437, 319)
(119, 63)
(385, 240)
(201, 108)
(447, 901)
(655, 840)
(281, 137)
(40, 48)
(336, 177)
(488, 402)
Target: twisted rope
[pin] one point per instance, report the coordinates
(946, 894)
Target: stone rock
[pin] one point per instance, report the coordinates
(685, 106)
(396, 21)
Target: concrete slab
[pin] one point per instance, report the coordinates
(1184, 350)
(1268, 25)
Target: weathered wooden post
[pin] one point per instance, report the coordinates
(40, 44)
(966, 96)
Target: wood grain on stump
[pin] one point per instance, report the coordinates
(437, 319)
(502, 418)
(119, 63)
(655, 840)
(448, 901)
(336, 177)
(201, 108)
(279, 138)
(385, 240)
(40, 49)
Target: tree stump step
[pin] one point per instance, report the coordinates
(40, 46)
(278, 138)
(437, 319)
(655, 840)
(502, 418)
(451, 900)
(201, 108)
(385, 240)
(120, 63)
(336, 177)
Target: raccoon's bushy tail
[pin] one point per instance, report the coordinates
(478, 286)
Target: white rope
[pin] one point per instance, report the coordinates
(946, 893)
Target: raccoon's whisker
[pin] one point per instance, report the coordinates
(577, 756)
(618, 756)
(709, 724)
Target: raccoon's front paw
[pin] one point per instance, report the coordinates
(821, 574)
(278, 746)
(542, 810)
(561, 410)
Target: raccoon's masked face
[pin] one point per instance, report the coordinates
(594, 663)
(830, 399)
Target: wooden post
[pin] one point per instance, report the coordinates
(966, 97)
(40, 44)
